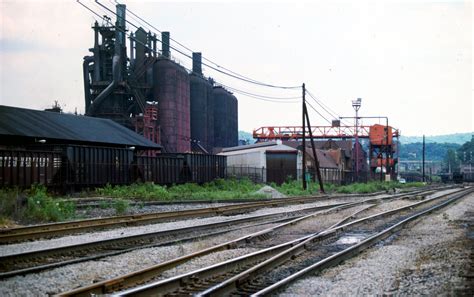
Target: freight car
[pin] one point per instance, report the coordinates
(77, 167)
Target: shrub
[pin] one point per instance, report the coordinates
(41, 207)
(120, 206)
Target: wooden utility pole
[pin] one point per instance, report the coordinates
(423, 165)
(303, 150)
(316, 161)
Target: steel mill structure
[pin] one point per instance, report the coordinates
(383, 140)
(150, 93)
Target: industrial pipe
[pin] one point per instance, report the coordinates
(110, 88)
(85, 69)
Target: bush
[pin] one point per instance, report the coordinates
(41, 207)
(8, 202)
(120, 206)
(146, 191)
(217, 189)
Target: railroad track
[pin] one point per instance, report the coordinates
(45, 231)
(38, 260)
(268, 270)
(34, 261)
(135, 278)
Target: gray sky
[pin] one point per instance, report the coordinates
(408, 60)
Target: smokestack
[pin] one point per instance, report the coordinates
(121, 9)
(165, 44)
(197, 63)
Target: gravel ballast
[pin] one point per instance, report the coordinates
(430, 258)
(76, 275)
(128, 231)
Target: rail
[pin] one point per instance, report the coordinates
(198, 281)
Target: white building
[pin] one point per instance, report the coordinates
(264, 162)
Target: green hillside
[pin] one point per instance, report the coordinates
(458, 138)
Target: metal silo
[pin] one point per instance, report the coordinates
(202, 116)
(225, 118)
(234, 121)
(171, 90)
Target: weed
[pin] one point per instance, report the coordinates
(215, 190)
(120, 206)
(104, 204)
(41, 207)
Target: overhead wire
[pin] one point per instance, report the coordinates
(312, 107)
(326, 108)
(225, 71)
(262, 97)
(236, 90)
(246, 93)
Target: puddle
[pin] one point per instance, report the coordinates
(351, 239)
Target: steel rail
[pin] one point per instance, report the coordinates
(357, 248)
(82, 251)
(13, 235)
(18, 234)
(137, 277)
(223, 288)
(304, 246)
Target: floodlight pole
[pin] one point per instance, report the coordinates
(356, 105)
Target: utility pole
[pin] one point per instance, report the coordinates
(356, 105)
(423, 165)
(303, 150)
(316, 161)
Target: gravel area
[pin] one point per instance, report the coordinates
(98, 212)
(270, 192)
(127, 231)
(77, 275)
(428, 259)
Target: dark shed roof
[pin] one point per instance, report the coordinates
(20, 122)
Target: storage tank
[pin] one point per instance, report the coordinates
(225, 118)
(202, 116)
(171, 90)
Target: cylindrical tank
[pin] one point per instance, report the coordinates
(202, 116)
(225, 118)
(171, 90)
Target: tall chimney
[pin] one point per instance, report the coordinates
(197, 62)
(165, 44)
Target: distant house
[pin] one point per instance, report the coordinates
(342, 151)
(264, 161)
(277, 161)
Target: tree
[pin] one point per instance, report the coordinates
(451, 161)
(466, 151)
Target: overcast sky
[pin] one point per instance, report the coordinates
(408, 60)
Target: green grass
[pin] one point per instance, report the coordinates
(36, 205)
(44, 208)
(33, 206)
(219, 189)
(294, 188)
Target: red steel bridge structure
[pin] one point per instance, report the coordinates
(381, 145)
(322, 132)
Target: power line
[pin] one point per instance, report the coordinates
(318, 112)
(321, 104)
(246, 93)
(326, 108)
(261, 97)
(229, 73)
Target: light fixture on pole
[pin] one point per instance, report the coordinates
(356, 105)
